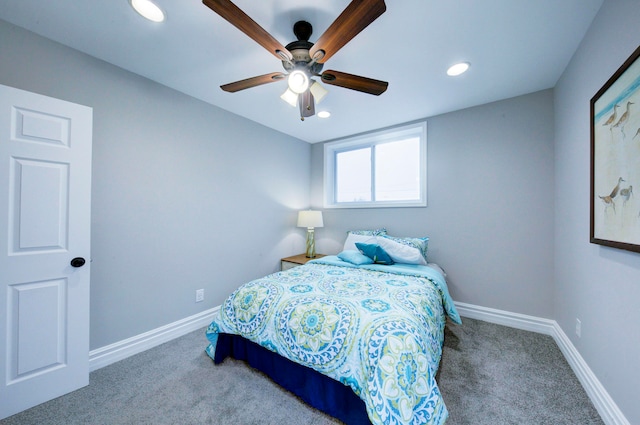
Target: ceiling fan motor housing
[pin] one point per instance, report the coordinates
(299, 49)
(301, 60)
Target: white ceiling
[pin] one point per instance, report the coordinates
(514, 46)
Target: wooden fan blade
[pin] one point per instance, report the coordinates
(307, 106)
(354, 82)
(356, 17)
(236, 17)
(253, 82)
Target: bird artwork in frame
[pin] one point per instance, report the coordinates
(615, 159)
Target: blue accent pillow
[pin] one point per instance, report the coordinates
(375, 252)
(354, 257)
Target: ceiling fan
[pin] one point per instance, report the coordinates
(302, 59)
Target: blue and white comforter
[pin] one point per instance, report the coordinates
(378, 329)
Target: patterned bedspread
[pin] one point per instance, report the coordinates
(378, 329)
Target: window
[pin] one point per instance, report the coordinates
(387, 168)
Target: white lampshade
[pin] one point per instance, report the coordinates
(310, 219)
(290, 97)
(318, 91)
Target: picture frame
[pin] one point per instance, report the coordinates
(615, 159)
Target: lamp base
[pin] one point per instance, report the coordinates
(311, 244)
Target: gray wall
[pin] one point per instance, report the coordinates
(490, 204)
(185, 195)
(598, 285)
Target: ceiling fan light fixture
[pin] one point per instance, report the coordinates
(298, 81)
(458, 68)
(148, 10)
(302, 59)
(318, 91)
(290, 97)
(324, 114)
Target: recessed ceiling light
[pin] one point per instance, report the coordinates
(457, 69)
(148, 9)
(324, 114)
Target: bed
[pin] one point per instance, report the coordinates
(360, 340)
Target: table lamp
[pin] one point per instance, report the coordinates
(310, 220)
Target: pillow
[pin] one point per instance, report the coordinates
(373, 232)
(421, 244)
(354, 257)
(354, 236)
(401, 253)
(375, 252)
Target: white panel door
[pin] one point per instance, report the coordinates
(45, 206)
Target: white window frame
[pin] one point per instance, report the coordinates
(331, 149)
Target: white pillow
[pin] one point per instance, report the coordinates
(401, 253)
(352, 238)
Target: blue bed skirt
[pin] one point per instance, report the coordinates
(317, 390)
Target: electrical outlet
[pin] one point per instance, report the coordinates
(578, 328)
(199, 295)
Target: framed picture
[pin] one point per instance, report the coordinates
(615, 159)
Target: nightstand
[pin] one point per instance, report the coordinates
(296, 260)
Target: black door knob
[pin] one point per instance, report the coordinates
(77, 262)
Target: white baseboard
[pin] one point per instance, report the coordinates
(120, 350)
(512, 320)
(608, 409)
(604, 404)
